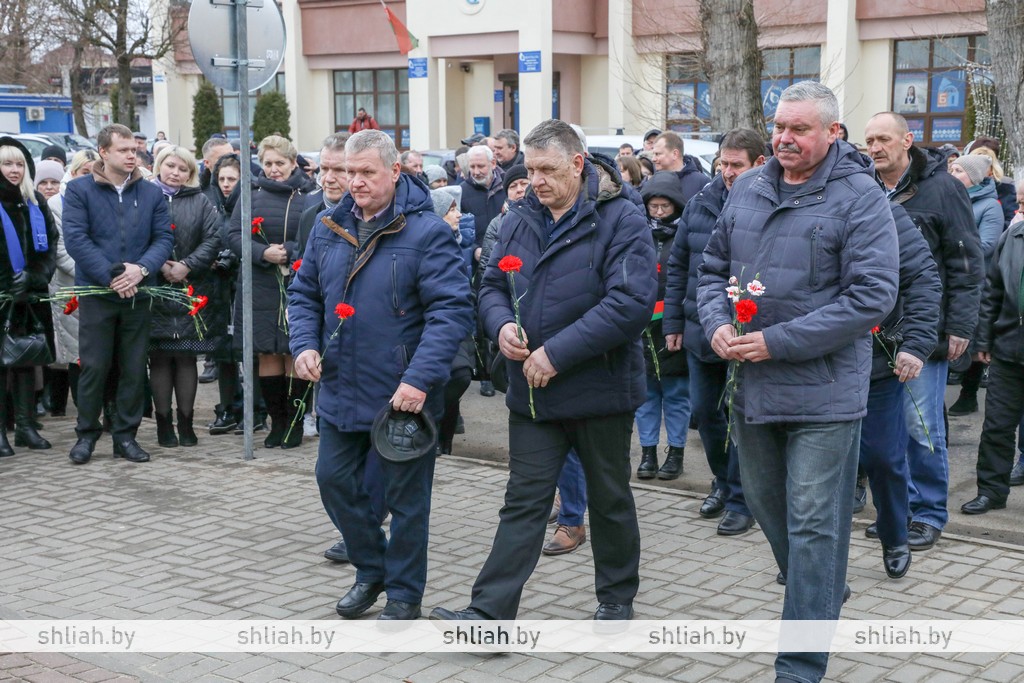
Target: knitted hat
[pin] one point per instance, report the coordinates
(57, 152)
(434, 173)
(443, 198)
(517, 172)
(48, 169)
(975, 166)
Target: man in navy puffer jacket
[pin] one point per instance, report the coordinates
(587, 286)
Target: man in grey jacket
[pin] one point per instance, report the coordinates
(814, 227)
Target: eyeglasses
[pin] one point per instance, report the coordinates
(660, 207)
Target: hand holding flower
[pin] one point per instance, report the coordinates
(538, 369)
(510, 345)
(750, 346)
(307, 365)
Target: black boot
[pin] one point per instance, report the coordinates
(275, 395)
(648, 463)
(186, 435)
(297, 405)
(24, 395)
(165, 431)
(673, 466)
(225, 422)
(5, 446)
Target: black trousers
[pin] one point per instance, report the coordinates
(1004, 407)
(109, 330)
(537, 451)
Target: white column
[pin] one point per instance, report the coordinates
(535, 88)
(840, 56)
(622, 65)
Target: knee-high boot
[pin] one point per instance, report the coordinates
(296, 410)
(275, 395)
(24, 394)
(5, 445)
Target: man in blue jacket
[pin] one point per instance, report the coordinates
(587, 286)
(118, 230)
(384, 252)
(814, 227)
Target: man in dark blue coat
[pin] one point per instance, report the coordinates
(814, 227)
(587, 286)
(384, 252)
(118, 230)
(741, 150)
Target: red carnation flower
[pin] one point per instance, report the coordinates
(510, 264)
(71, 306)
(257, 225)
(746, 309)
(297, 265)
(876, 329)
(190, 290)
(173, 226)
(659, 267)
(344, 311)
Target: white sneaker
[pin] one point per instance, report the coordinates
(309, 425)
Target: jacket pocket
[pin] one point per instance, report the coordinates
(394, 282)
(815, 234)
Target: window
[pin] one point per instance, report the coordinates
(383, 93)
(688, 106)
(229, 103)
(931, 81)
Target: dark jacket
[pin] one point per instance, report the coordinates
(412, 307)
(1006, 192)
(828, 258)
(586, 298)
(518, 160)
(911, 324)
(938, 204)
(988, 216)
(306, 222)
(102, 229)
(695, 227)
(484, 204)
(196, 243)
(692, 178)
(280, 205)
(1001, 323)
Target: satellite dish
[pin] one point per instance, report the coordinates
(211, 33)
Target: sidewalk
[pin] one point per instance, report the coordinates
(199, 533)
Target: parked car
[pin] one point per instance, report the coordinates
(70, 141)
(35, 144)
(703, 150)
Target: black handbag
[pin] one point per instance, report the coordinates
(28, 349)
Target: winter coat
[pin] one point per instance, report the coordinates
(1001, 323)
(517, 161)
(938, 204)
(102, 228)
(490, 239)
(695, 227)
(65, 327)
(196, 244)
(692, 178)
(484, 204)
(988, 216)
(280, 205)
(828, 258)
(911, 324)
(412, 307)
(1006, 193)
(39, 265)
(587, 295)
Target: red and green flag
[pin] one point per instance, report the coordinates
(406, 40)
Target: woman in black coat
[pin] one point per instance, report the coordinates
(28, 259)
(177, 336)
(279, 197)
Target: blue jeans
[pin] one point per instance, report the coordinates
(572, 487)
(670, 395)
(884, 460)
(707, 383)
(401, 561)
(799, 479)
(929, 471)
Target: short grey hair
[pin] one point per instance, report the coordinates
(211, 143)
(376, 140)
(580, 134)
(510, 137)
(555, 133)
(408, 153)
(821, 95)
(481, 149)
(336, 141)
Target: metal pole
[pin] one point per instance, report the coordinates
(242, 55)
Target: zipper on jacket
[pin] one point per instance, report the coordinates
(829, 369)
(394, 281)
(814, 256)
(963, 255)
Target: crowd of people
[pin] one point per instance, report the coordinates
(803, 309)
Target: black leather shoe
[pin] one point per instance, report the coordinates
(486, 388)
(922, 536)
(896, 560)
(5, 446)
(714, 504)
(468, 614)
(981, 505)
(648, 468)
(860, 495)
(130, 450)
(225, 423)
(673, 466)
(359, 599)
(81, 452)
(780, 579)
(964, 405)
(872, 530)
(337, 552)
(28, 437)
(735, 523)
(610, 611)
(209, 373)
(1017, 473)
(400, 611)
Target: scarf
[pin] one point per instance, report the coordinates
(39, 241)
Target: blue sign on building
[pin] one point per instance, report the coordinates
(417, 67)
(499, 95)
(529, 62)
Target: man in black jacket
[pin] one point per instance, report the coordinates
(938, 204)
(506, 149)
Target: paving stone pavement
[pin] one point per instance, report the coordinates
(200, 533)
